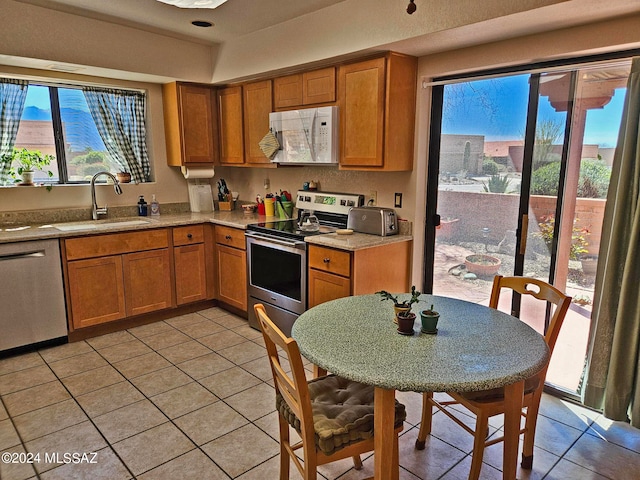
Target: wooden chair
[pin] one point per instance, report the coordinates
(486, 404)
(333, 416)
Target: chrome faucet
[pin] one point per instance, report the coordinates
(116, 186)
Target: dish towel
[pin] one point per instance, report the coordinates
(269, 145)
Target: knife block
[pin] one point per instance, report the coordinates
(226, 206)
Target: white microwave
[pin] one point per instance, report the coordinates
(307, 136)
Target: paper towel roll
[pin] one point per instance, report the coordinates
(197, 172)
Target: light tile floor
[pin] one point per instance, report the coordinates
(192, 398)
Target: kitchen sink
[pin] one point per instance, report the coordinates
(97, 225)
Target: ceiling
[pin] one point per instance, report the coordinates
(230, 20)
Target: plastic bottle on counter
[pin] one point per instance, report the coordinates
(155, 206)
(142, 207)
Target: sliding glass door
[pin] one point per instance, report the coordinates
(518, 173)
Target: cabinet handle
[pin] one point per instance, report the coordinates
(326, 260)
(227, 237)
(189, 236)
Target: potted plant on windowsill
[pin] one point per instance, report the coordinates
(402, 309)
(28, 162)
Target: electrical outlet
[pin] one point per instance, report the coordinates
(398, 200)
(372, 201)
(267, 184)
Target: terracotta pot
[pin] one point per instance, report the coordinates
(397, 310)
(123, 177)
(482, 265)
(405, 324)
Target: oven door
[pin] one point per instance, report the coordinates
(277, 271)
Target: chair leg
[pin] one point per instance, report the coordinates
(530, 432)
(396, 456)
(425, 422)
(479, 439)
(284, 454)
(357, 462)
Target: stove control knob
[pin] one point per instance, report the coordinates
(343, 203)
(351, 203)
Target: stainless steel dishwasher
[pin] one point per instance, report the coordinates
(32, 306)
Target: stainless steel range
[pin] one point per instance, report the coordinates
(277, 254)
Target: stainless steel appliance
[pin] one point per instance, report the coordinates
(277, 254)
(31, 294)
(373, 220)
(307, 136)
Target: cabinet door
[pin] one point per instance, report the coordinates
(319, 86)
(147, 282)
(232, 276)
(361, 90)
(257, 106)
(96, 291)
(326, 286)
(191, 137)
(287, 91)
(191, 279)
(230, 125)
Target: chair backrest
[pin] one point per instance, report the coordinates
(292, 387)
(540, 290)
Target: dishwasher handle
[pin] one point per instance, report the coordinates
(16, 256)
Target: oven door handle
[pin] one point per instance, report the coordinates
(277, 241)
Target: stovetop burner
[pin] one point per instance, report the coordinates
(331, 209)
(287, 228)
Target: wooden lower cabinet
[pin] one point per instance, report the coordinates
(191, 277)
(334, 273)
(232, 276)
(146, 281)
(326, 286)
(96, 291)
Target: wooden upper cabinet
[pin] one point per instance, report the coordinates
(308, 88)
(231, 125)
(190, 124)
(377, 113)
(319, 86)
(287, 91)
(258, 104)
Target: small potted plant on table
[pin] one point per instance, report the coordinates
(404, 317)
(429, 319)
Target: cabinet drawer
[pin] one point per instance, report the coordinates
(329, 260)
(188, 235)
(232, 237)
(115, 243)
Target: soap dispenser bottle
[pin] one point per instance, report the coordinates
(142, 207)
(155, 206)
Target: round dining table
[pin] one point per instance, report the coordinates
(475, 348)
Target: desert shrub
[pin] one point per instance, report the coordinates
(489, 167)
(593, 183)
(594, 179)
(544, 181)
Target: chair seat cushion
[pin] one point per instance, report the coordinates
(530, 384)
(342, 412)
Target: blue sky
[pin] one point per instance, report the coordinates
(497, 109)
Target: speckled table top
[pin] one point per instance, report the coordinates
(476, 347)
